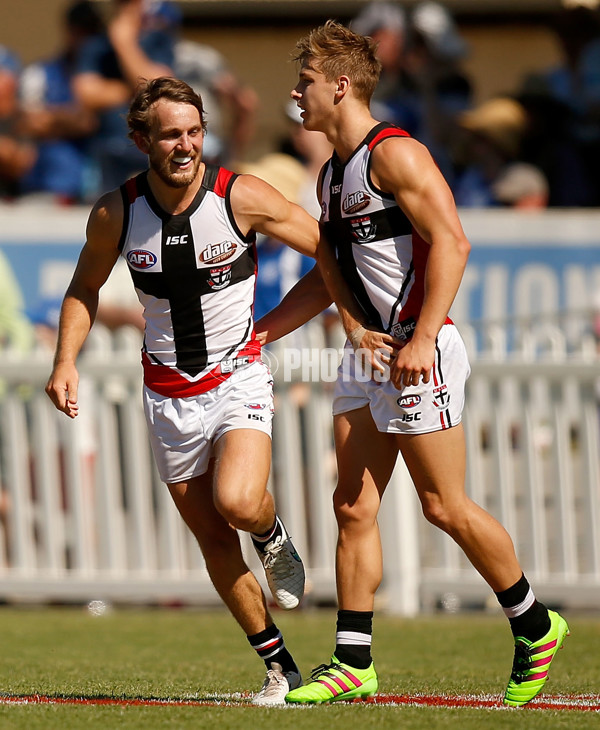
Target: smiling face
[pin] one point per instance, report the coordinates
(174, 142)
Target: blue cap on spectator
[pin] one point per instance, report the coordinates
(9, 60)
(165, 12)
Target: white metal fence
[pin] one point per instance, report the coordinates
(83, 514)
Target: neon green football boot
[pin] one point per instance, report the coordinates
(532, 662)
(336, 682)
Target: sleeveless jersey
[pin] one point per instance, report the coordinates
(380, 254)
(194, 273)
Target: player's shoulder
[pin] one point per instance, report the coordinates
(108, 205)
(251, 191)
(106, 216)
(397, 150)
(395, 141)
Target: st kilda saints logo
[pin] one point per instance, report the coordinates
(220, 277)
(363, 229)
(441, 397)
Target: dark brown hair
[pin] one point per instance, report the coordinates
(149, 92)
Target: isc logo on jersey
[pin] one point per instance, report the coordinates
(214, 253)
(353, 202)
(140, 259)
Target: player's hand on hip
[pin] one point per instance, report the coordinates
(412, 363)
(62, 388)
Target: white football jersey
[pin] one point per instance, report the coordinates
(194, 273)
(381, 256)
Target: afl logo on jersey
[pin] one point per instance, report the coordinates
(214, 253)
(353, 202)
(409, 401)
(140, 259)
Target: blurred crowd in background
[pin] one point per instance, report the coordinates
(63, 135)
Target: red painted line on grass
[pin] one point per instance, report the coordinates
(586, 703)
(582, 703)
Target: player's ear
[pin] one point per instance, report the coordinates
(141, 142)
(343, 84)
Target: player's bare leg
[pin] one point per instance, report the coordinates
(366, 459)
(436, 462)
(242, 464)
(243, 460)
(236, 585)
(222, 552)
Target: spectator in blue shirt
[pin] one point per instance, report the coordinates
(17, 155)
(139, 43)
(51, 116)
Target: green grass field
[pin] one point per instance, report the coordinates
(190, 654)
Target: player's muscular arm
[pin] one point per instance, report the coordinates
(257, 205)
(405, 168)
(307, 298)
(78, 311)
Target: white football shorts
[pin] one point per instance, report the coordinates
(183, 431)
(414, 409)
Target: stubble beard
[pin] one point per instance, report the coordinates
(180, 179)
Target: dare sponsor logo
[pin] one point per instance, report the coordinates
(214, 253)
(353, 202)
(140, 259)
(256, 406)
(409, 401)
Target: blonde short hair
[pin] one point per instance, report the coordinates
(336, 51)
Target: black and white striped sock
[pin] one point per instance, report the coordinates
(270, 647)
(526, 615)
(353, 638)
(260, 541)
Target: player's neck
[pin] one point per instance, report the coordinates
(350, 131)
(171, 199)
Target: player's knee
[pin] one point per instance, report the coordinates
(242, 512)
(448, 518)
(354, 511)
(435, 512)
